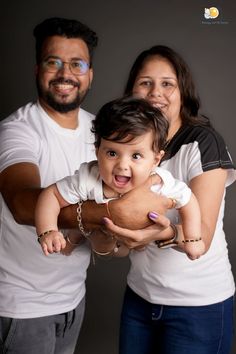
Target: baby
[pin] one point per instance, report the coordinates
(129, 139)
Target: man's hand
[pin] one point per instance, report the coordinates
(131, 210)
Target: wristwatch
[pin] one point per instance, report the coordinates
(171, 242)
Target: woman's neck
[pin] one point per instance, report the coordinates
(174, 127)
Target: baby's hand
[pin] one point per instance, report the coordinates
(194, 249)
(52, 242)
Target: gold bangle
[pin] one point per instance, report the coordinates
(107, 209)
(114, 250)
(102, 253)
(67, 238)
(192, 240)
(174, 202)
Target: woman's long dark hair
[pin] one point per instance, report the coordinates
(190, 102)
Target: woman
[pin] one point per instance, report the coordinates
(173, 305)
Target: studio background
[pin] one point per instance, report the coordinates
(125, 28)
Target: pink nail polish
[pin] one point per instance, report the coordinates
(153, 215)
(104, 220)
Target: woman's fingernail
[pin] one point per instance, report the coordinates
(104, 220)
(153, 215)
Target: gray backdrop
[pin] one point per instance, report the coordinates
(125, 28)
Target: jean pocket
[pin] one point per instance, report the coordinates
(7, 330)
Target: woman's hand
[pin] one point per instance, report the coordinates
(158, 230)
(132, 209)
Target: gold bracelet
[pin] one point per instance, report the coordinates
(114, 250)
(174, 202)
(107, 209)
(192, 240)
(67, 238)
(86, 234)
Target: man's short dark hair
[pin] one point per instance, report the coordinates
(129, 118)
(56, 26)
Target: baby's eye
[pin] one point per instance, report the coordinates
(111, 153)
(136, 156)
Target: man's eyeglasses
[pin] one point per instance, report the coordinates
(77, 66)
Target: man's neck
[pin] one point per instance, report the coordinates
(67, 120)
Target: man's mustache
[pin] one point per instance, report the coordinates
(61, 80)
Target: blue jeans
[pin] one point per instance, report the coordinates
(159, 329)
(56, 334)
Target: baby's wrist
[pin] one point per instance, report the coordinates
(45, 233)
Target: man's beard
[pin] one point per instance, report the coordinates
(48, 97)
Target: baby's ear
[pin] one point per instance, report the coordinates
(162, 152)
(159, 156)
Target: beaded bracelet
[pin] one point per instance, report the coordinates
(45, 233)
(192, 240)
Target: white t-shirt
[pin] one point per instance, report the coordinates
(32, 285)
(169, 277)
(86, 184)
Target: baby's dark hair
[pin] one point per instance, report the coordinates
(129, 118)
(63, 27)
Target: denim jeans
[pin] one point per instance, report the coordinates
(56, 334)
(159, 329)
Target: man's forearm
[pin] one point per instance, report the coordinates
(125, 212)
(130, 211)
(23, 210)
(92, 214)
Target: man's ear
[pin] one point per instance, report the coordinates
(90, 77)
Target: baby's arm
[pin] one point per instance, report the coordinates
(191, 223)
(47, 210)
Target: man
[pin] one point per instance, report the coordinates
(42, 298)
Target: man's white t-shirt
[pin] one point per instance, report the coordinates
(31, 284)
